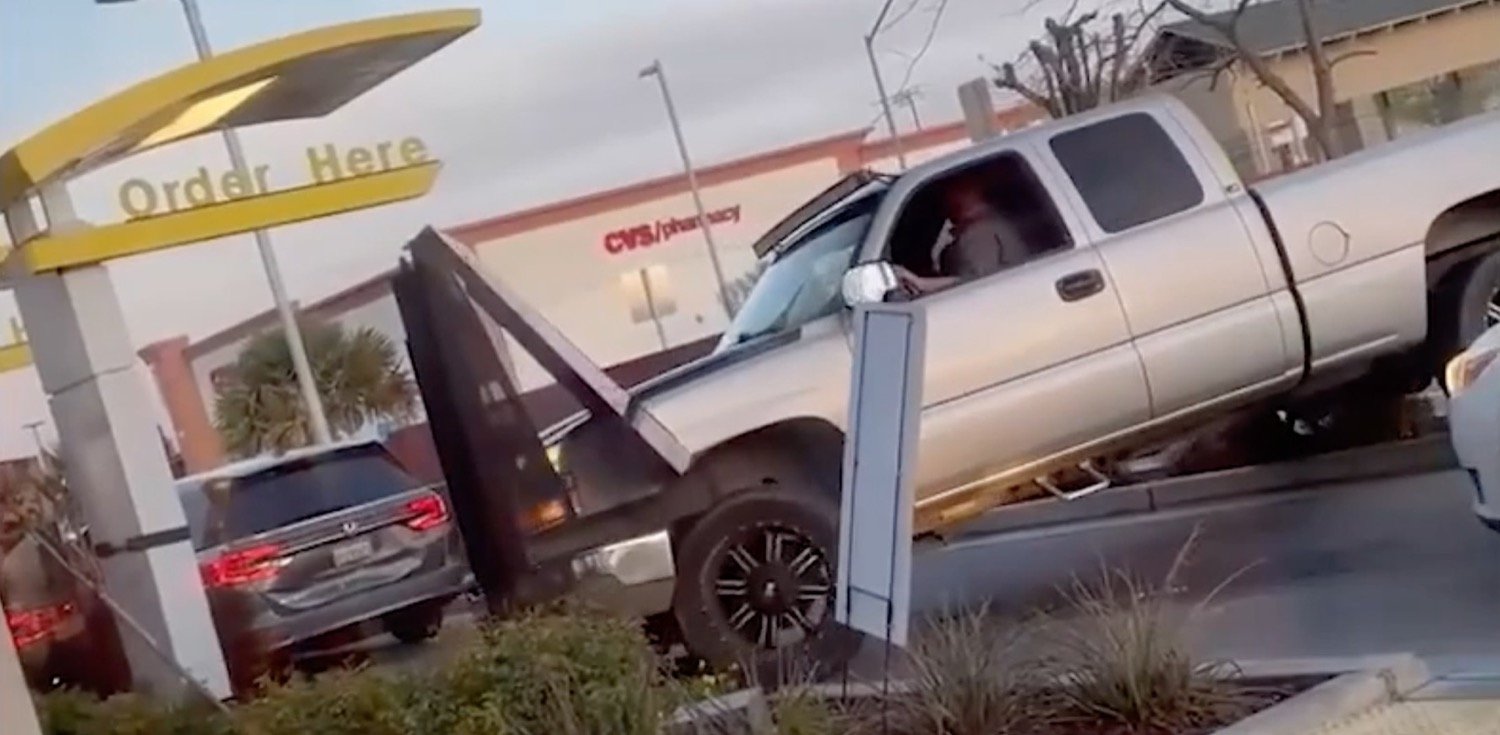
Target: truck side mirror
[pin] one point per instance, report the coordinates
(868, 283)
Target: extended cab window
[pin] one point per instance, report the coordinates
(1128, 170)
(977, 221)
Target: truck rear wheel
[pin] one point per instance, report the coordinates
(755, 585)
(1466, 303)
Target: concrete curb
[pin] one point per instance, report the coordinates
(1432, 453)
(1345, 695)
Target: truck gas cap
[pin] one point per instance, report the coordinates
(1329, 243)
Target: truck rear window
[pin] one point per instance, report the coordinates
(1128, 170)
(297, 491)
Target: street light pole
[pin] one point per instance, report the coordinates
(885, 101)
(655, 69)
(307, 385)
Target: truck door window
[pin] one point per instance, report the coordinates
(978, 220)
(1128, 171)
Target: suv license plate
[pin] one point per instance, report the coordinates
(352, 552)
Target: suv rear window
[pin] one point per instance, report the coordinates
(297, 491)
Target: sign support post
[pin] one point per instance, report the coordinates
(880, 462)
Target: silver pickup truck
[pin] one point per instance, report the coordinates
(1157, 292)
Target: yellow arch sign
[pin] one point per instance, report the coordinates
(301, 76)
(305, 75)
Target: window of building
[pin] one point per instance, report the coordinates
(1441, 99)
(1128, 170)
(648, 293)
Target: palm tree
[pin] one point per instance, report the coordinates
(359, 377)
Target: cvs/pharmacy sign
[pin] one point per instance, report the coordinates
(651, 233)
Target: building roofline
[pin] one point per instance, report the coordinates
(358, 294)
(1193, 31)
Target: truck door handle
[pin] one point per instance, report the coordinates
(1080, 285)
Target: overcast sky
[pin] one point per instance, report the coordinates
(541, 102)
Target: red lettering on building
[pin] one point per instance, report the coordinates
(652, 233)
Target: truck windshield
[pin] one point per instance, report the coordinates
(802, 283)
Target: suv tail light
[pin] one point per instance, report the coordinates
(428, 511)
(242, 566)
(28, 627)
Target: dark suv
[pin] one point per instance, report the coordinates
(319, 540)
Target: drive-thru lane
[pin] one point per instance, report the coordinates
(1364, 568)
(1390, 565)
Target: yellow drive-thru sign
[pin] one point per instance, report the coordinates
(306, 75)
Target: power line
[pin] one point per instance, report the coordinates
(937, 18)
(914, 59)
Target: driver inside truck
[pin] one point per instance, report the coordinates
(983, 241)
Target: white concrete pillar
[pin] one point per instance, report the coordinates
(115, 465)
(17, 715)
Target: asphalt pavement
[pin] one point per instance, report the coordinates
(1388, 566)
(1395, 565)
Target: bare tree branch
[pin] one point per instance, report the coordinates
(1322, 71)
(1319, 121)
(1009, 80)
(1077, 65)
(1341, 58)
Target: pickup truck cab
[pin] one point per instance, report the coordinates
(1153, 291)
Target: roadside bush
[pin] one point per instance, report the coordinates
(968, 676)
(581, 672)
(1117, 659)
(77, 713)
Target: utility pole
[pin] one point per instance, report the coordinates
(885, 101)
(909, 97)
(656, 70)
(317, 418)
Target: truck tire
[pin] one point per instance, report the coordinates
(1463, 306)
(755, 585)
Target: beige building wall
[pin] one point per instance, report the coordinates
(1401, 55)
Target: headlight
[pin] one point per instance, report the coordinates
(1466, 368)
(554, 456)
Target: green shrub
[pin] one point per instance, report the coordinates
(76, 713)
(338, 703)
(1118, 658)
(968, 677)
(574, 673)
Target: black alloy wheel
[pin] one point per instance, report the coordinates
(755, 585)
(774, 586)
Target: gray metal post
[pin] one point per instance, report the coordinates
(880, 460)
(687, 164)
(885, 101)
(306, 383)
